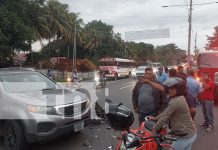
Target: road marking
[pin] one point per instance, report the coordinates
(132, 82)
(126, 86)
(87, 86)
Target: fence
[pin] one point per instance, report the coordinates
(62, 75)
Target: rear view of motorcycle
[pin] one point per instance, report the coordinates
(120, 118)
(100, 80)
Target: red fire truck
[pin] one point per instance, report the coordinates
(208, 63)
(117, 67)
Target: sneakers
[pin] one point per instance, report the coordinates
(209, 128)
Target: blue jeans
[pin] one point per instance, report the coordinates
(207, 108)
(184, 143)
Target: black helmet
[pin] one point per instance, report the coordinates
(177, 83)
(119, 117)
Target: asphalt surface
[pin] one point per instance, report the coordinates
(98, 136)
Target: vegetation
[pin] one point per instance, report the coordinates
(22, 22)
(213, 41)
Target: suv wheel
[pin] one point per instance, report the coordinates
(14, 138)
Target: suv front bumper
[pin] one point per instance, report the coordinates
(61, 127)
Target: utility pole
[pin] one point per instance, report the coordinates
(74, 49)
(195, 41)
(189, 32)
(190, 22)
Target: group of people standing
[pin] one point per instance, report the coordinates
(173, 98)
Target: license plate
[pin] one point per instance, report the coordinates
(78, 126)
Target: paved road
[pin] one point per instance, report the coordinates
(99, 136)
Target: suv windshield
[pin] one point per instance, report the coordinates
(25, 82)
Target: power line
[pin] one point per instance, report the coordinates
(199, 4)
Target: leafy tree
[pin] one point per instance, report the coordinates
(99, 37)
(170, 54)
(213, 41)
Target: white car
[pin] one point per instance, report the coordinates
(155, 66)
(140, 71)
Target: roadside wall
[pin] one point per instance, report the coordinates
(62, 75)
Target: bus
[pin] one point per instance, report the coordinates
(207, 62)
(115, 68)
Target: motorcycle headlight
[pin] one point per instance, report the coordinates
(42, 109)
(96, 78)
(131, 141)
(68, 79)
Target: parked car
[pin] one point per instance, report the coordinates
(155, 66)
(35, 108)
(140, 71)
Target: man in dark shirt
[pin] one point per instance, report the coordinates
(181, 73)
(146, 99)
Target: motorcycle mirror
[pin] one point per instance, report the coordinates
(130, 141)
(149, 124)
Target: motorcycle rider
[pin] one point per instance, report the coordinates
(101, 78)
(75, 75)
(178, 114)
(50, 73)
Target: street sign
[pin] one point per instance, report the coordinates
(147, 34)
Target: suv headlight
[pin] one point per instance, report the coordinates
(42, 109)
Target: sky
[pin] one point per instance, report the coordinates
(140, 15)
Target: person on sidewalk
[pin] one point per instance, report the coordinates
(161, 75)
(207, 98)
(193, 89)
(146, 99)
(181, 73)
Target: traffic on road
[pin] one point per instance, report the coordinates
(118, 91)
(108, 75)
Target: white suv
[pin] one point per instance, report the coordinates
(34, 108)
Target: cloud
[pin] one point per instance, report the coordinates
(136, 15)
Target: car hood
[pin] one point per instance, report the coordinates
(49, 97)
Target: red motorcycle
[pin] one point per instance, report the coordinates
(121, 118)
(143, 139)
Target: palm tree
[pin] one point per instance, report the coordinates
(91, 40)
(73, 21)
(56, 19)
